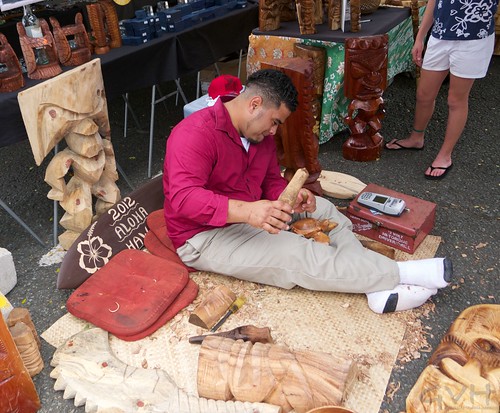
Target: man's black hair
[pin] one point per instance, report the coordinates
(275, 87)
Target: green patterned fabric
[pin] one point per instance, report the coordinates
(334, 104)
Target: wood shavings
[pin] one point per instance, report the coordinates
(392, 389)
(415, 338)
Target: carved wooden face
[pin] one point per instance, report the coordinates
(365, 67)
(473, 335)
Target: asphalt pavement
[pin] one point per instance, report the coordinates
(467, 208)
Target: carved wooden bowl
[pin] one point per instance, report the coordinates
(330, 409)
(369, 6)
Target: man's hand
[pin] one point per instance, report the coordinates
(270, 216)
(306, 201)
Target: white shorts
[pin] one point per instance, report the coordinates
(463, 58)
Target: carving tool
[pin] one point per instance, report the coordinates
(235, 306)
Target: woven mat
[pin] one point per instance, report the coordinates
(340, 324)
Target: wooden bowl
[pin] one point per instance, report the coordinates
(330, 409)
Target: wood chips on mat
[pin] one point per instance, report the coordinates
(340, 324)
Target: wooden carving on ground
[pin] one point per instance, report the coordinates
(73, 107)
(104, 23)
(11, 75)
(28, 46)
(296, 380)
(463, 374)
(297, 139)
(87, 370)
(365, 82)
(72, 42)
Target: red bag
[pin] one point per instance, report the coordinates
(134, 294)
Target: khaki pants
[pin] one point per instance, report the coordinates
(287, 259)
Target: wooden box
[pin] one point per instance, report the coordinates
(404, 232)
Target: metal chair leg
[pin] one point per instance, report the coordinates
(20, 221)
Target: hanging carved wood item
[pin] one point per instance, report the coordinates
(463, 374)
(28, 46)
(73, 107)
(297, 139)
(76, 50)
(104, 23)
(365, 82)
(11, 75)
(295, 380)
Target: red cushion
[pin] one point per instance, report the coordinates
(186, 297)
(130, 293)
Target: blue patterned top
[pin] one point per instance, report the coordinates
(464, 19)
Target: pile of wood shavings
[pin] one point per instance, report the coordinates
(415, 338)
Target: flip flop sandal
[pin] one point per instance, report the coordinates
(438, 177)
(401, 147)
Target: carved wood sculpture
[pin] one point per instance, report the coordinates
(306, 16)
(463, 374)
(17, 391)
(297, 139)
(73, 107)
(11, 75)
(355, 15)
(28, 44)
(76, 53)
(365, 82)
(270, 373)
(334, 13)
(87, 370)
(213, 307)
(104, 23)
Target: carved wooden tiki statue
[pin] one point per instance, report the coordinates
(364, 83)
(463, 374)
(11, 76)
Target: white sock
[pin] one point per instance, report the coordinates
(429, 273)
(403, 297)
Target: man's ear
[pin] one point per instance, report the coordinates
(255, 103)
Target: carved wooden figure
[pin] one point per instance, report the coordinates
(11, 75)
(463, 374)
(29, 44)
(355, 15)
(306, 16)
(273, 12)
(334, 7)
(295, 380)
(104, 23)
(365, 82)
(73, 107)
(297, 139)
(78, 51)
(17, 391)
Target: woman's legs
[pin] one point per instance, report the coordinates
(458, 107)
(427, 91)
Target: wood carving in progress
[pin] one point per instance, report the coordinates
(86, 369)
(295, 380)
(297, 140)
(73, 107)
(365, 82)
(11, 75)
(28, 46)
(463, 374)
